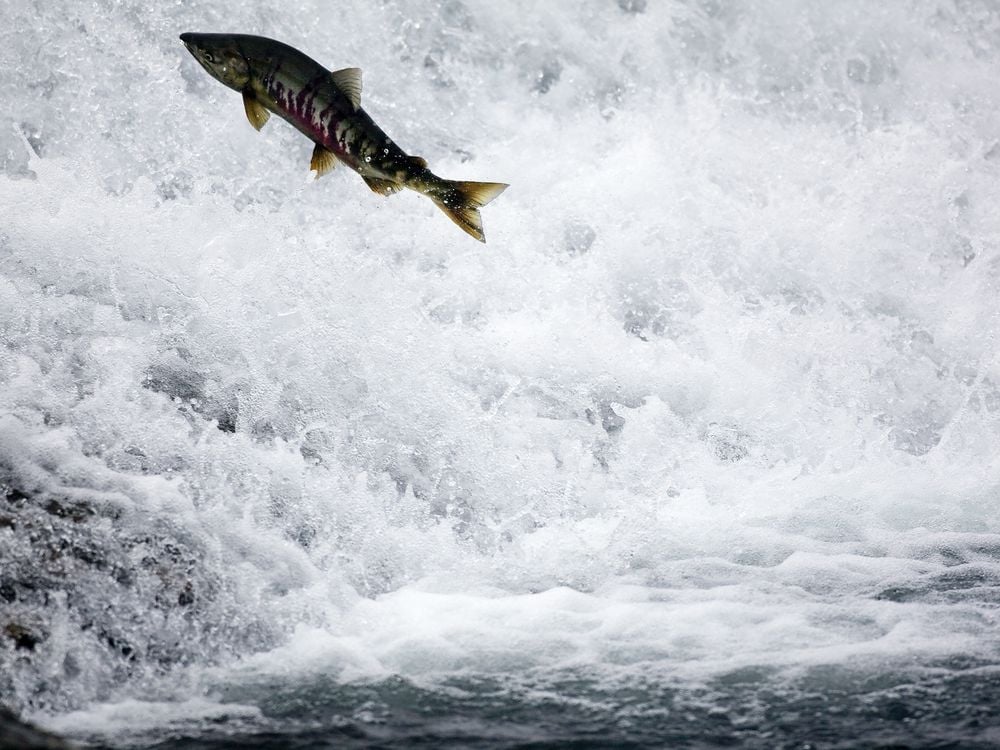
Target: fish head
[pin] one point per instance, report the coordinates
(221, 56)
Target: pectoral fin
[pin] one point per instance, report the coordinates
(380, 186)
(348, 81)
(256, 113)
(323, 160)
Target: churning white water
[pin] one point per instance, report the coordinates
(709, 426)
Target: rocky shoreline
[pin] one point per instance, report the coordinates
(95, 593)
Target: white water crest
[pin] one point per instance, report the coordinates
(721, 393)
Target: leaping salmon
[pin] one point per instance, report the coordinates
(326, 107)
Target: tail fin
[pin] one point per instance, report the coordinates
(461, 202)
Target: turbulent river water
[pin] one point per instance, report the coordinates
(700, 450)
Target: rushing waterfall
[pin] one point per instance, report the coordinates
(702, 449)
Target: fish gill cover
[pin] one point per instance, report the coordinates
(702, 448)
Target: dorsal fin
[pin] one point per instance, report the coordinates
(418, 161)
(348, 81)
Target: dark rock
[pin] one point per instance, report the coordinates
(13, 495)
(186, 597)
(23, 637)
(103, 574)
(15, 733)
(76, 512)
(122, 647)
(226, 421)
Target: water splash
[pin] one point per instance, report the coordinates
(719, 397)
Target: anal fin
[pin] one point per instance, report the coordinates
(256, 113)
(323, 160)
(380, 186)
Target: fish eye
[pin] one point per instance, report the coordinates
(209, 57)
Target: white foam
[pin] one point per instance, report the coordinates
(129, 720)
(723, 380)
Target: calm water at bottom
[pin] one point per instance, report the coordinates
(945, 705)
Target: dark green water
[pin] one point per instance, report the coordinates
(946, 706)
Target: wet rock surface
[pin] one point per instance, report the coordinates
(81, 583)
(18, 735)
